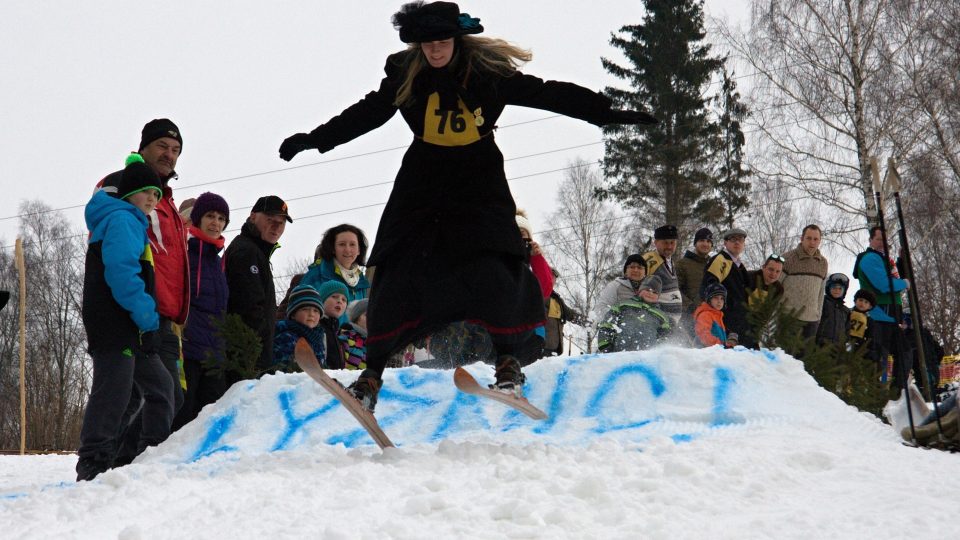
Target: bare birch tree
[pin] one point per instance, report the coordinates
(587, 240)
(819, 99)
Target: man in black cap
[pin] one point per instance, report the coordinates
(660, 264)
(249, 275)
(728, 270)
(160, 146)
(690, 274)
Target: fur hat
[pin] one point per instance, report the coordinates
(137, 176)
(159, 128)
(356, 308)
(302, 296)
(867, 295)
(635, 258)
(523, 223)
(653, 283)
(419, 22)
(665, 232)
(331, 287)
(209, 202)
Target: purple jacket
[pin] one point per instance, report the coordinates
(208, 297)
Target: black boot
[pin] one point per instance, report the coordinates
(365, 389)
(510, 378)
(88, 468)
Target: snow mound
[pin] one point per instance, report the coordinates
(675, 393)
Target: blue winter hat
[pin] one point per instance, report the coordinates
(303, 296)
(331, 287)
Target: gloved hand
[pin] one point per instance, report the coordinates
(149, 342)
(295, 144)
(621, 116)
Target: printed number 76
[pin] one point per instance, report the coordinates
(457, 123)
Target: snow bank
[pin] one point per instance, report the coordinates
(669, 443)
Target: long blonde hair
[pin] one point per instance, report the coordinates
(488, 54)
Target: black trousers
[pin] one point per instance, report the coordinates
(203, 388)
(132, 422)
(115, 373)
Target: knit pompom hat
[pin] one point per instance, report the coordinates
(137, 176)
(303, 296)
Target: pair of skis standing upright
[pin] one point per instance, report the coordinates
(892, 181)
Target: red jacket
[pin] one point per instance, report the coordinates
(541, 269)
(168, 241)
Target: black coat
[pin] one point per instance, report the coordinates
(451, 202)
(444, 196)
(720, 269)
(834, 320)
(250, 284)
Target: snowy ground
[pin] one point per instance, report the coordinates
(670, 443)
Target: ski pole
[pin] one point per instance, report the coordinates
(913, 296)
(897, 339)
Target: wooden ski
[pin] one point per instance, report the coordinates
(467, 384)
(307, 361)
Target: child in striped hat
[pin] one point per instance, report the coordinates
(304, 312)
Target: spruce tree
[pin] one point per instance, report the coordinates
(731, 174)
(667, 171)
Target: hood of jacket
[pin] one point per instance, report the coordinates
(693, 255)
(102, 208)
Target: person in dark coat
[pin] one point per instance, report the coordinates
(728, 270)
(250, 276)
(208, 217)
(447, 247)
(835, 316)
(4, 298)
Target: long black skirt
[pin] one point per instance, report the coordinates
(415, 295)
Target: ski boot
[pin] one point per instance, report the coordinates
(89, 468)
(365, 389)
(510, 377)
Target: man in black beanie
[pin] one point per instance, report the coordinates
(690, 269)
(160, 146)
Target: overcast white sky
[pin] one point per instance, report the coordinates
(81, 78)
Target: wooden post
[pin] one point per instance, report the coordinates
(21, 269)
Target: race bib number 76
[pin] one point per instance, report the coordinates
(448, 128)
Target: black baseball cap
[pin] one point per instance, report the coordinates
(273, 205)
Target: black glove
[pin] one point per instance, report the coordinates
(295, 144)
(620, 116)
(149, 342)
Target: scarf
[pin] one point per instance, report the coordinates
(351, 276)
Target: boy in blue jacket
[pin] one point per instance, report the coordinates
(120, 317)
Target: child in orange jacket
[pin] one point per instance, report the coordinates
(709, 318)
